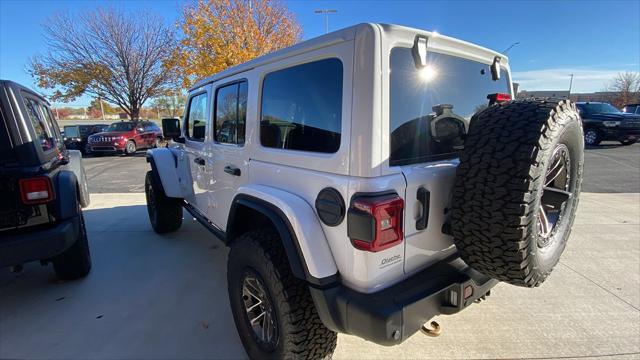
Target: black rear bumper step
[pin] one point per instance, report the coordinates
(392, 315)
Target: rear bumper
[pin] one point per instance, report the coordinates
(21, 247)
(391, 316)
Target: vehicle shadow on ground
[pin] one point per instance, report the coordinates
(147, 296)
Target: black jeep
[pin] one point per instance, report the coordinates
(42, 188)
(602, 122)
(76, 136)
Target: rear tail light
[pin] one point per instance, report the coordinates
(498, 98)
(375, 222)
(36, 190)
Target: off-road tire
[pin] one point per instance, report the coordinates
(165, 213)
(499, 185)
(301, 333)
(130, 148)
(628, 142)
(592, 137)
(75, 262)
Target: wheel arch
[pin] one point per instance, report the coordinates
(302, 237)
(164, 169)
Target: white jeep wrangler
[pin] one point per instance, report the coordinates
(366, 181)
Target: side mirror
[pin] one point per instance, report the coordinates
(171, 128)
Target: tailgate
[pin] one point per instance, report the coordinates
(427, 203)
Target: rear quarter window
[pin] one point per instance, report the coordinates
(302, 107)
(461, 83)
(43, 129)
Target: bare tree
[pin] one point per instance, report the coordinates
(626, 86)
(108, 54)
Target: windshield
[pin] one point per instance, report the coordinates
(459, 84)
(602, 108)
(121, 126)
(71, 131)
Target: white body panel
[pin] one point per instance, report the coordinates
(301, 216)
(292, 180)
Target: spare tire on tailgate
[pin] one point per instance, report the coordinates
(517, 187)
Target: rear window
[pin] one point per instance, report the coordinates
(461, 84)
(302, 107)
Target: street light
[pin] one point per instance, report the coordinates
(326, 13)
(509, 48)
(570, 84)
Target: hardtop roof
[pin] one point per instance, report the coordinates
(335, 37)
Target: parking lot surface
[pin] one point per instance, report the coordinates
(164, 297)
(608, 168)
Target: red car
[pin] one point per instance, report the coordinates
(125, 137)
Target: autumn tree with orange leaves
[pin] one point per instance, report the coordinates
(218, 34)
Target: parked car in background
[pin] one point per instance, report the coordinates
(76, 136)
(42, 188)
(603, 122)
(125, 137)
(631, 109)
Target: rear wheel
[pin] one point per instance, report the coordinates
(273, 311)
(75, 262)
(165, 213)
(517, 189)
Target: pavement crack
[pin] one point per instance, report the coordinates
(600, 286)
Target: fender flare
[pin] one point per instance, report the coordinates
(304, 242)
(75, 165)
(66, 191)
(164, 167)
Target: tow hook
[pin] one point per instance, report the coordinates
(434, 331)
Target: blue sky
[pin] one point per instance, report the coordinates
(591, 39)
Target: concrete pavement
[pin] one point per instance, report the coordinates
(165, 297)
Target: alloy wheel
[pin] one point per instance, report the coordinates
(259, 310)
(555, 195)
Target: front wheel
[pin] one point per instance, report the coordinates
(592, 137)
(165, 213)
(628, 142)
(273, 311)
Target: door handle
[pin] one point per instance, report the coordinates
(230, 169)
(424, 197)
(199, 161)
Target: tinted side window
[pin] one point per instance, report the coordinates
(231, 113)
(51, 124)
(197, 117)
(459, 85)
(302, 107)
(42, 132)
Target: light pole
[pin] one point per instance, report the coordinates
(570, 84)
(326, 13)
(510, 46)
